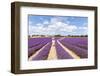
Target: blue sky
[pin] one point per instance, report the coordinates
(53, 25)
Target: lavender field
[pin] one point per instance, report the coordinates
(50, 48)
(55, 37)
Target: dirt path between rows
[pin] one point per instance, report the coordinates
(52, 54)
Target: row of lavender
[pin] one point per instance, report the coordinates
(44, 53)
(35, 44)
(61, 53)
(78, 45)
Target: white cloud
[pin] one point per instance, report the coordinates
(83, 28)
(55, 26)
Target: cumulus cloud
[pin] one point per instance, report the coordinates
(52, 27)
(83, 28)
